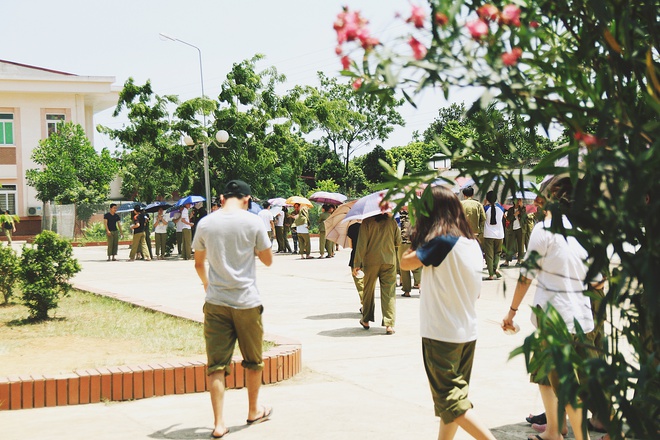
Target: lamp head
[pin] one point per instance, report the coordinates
(222, 136)
(189, 141)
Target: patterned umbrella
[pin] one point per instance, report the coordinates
(301, 200)
(328, 197)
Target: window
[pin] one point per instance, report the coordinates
(6, 129)
(8, 198)
(52, 122)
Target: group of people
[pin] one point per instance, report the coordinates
(497, 229)
(445, 245)
(184, 220)
(297, 223)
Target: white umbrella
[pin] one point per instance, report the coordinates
(369, 206)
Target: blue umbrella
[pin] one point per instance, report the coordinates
(190, 199)
(255, 208)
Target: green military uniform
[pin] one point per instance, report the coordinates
(376, 255)
(324, 244)
(303, 238)
(476, 217)
(406, 284)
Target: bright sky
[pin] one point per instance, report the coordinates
(120, 38)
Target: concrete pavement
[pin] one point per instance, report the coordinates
(355, 384)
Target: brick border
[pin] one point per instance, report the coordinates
(133, 382)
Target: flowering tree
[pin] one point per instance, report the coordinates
(588, 69)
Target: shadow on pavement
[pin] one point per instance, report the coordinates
(351, 332)
(189, 433)
(345, 315)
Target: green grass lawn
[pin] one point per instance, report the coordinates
(89, 331)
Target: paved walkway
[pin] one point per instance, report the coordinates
(355, 384)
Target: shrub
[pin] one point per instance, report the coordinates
(45, 271)
(8, 272)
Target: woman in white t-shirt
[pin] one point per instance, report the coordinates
(493, 235)
(160, 228)
(443, 243)
(559, 265)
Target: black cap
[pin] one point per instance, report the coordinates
(237, 188)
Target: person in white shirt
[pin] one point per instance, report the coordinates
(267, 217)
(493, 235)
(279, 232)
(443, 244)
(186, 232)
(559, 264)
(160, 229)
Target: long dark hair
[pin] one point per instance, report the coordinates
(492, 198)
(446, 217)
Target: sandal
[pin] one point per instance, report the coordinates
(406, 294)
(365, 325)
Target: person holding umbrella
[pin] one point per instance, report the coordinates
(139, 244)
(376, 256)
(301, 223)
(186, 232)
(161, 234)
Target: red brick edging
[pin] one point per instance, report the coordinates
(138, 382)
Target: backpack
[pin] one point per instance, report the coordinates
(6, 225)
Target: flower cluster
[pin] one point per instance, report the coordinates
(511, 58)
(351, 26)
(479, 28)
(589, 140)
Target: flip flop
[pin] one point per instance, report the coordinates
(265, 416)
(365, 325)
(221, 435)
(536, 437)
(538, 419)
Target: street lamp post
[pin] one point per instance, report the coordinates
(207, 183)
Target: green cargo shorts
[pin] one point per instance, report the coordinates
(448, 368)
(222, 327)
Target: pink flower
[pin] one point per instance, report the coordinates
(510, 15)
(419, 50)
(339, 50)
(366, 40)
(417, 16)
(478, 29)
(534, 24)
(488, 12)
(511, 58)
(441, 19)
(357, 84)
(587, 139)
(347, 25)
(345, 62)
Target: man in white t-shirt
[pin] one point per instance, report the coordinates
(267, 217)
(186, 232)
(279, 231)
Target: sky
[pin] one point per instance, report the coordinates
(120, 38)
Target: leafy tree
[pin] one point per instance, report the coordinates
(45, 271)
(373, 171)
(72, 172)
(265, 144)
(350, 121)
(328, 185)
(9, 268)
(591, 69)
(416, 155)
(154, 163)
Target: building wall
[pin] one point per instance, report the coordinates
(30, 93)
